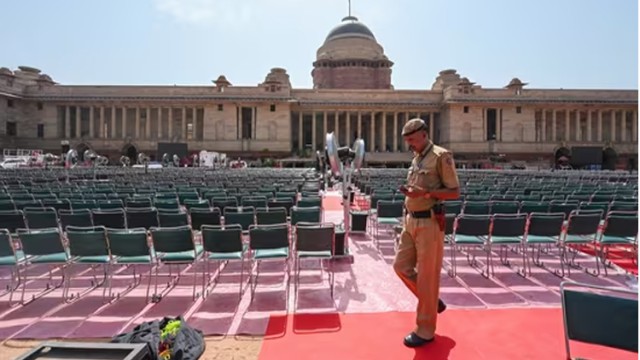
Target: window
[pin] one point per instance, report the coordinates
(40, 106)
(220, 107)
(492, 124)
(11, 128)
(466, 109)
(40, 131)
(272, 107)
(247, 122)
(518, 109)
(9, 103)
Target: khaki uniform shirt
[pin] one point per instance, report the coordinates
(432, 169)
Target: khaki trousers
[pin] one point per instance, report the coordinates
(418, 262)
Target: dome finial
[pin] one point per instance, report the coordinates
(349, 8)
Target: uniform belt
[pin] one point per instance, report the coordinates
(424, 214)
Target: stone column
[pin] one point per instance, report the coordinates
(406, 119)
(91, 127)
(543, 135)
(313, 131)
(395, 131)
(578, 128)
(137, 132)
(160, 134)
(300, 132)
(147, 124)
(194, 124)
(589, 130)
(170, 135)
(498, 125)
(600, 136)
(78, 129)
(184, 122)
(554, 126)
(348, 127)
(360, 125)
(113, 122)
(432, 126)
(67, 122)
(325, 126)
(372, 131)
(101, 132)
(567, 125)
(124, 121)
(634, 126)
(336, 125)
(254, 123)
(383, 139)
(613, 126)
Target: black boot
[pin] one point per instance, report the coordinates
(441, 306)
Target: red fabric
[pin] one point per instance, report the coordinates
(462, 335)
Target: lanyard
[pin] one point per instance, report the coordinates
(423, 156)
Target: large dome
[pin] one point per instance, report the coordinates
(351, 58)
(350, 27)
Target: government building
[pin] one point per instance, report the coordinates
(353, 96)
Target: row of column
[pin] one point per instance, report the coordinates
(589, 128)
(372, 128)
(145, 133)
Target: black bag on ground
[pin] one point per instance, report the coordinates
(188, 343)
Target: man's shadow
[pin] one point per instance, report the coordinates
(439, 349)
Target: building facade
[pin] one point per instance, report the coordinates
(353, 96)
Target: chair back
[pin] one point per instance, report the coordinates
(12, 220)
(472, 224)
(88, 241)
(41, 241)
(128, 242)
(621, 223)
(142, 217)
(170, 218)
(41, 218)
(273, 236)
(316, 237)
(600, 315)
(271, 216)
(509, 225)
(390, 209)
(81, 218)
(545, 224)
(174, 239)
(109, 218)
(584, 223)
(219, 239)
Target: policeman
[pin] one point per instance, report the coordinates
(432, 179)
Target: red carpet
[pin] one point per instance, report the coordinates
(332, 203)
(463, 335)
(619, 255)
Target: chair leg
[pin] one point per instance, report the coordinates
(452, 251)
(241, 278)
(489, 265)
(195, 278)
(107, 282)
(149, 282)
(15, 276)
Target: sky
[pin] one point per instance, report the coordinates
(570, 44)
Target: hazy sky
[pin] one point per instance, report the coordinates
(547, 43)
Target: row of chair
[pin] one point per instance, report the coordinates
(534, 230)
(38, 218)
(155, 247)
